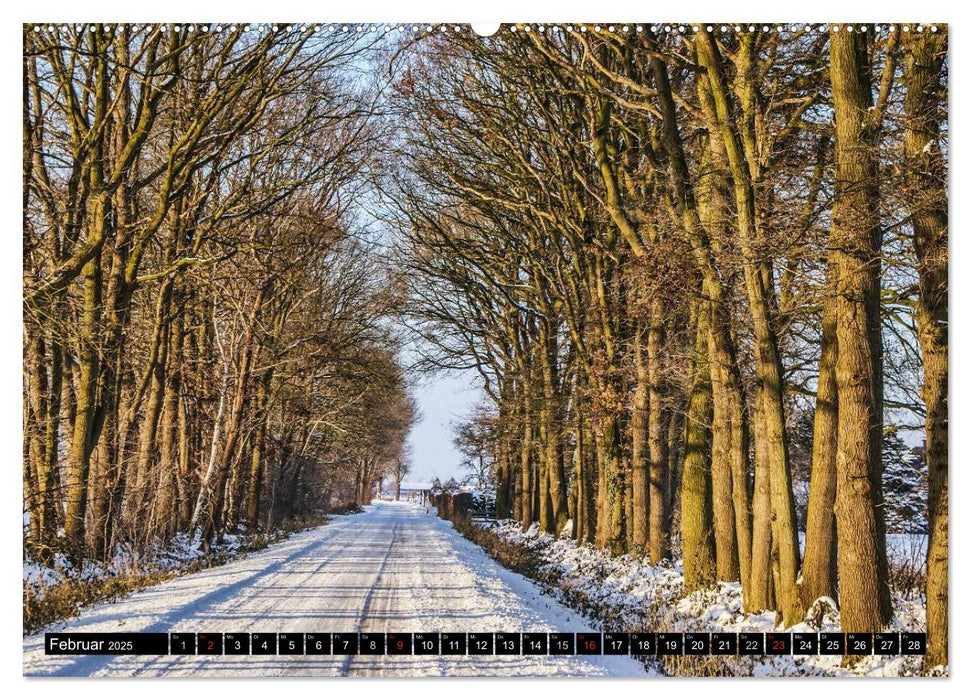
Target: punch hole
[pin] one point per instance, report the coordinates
(485, 29)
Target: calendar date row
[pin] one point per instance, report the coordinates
(488, 643)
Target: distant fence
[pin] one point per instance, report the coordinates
(413, 495)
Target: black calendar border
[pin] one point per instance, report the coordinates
(629, 643)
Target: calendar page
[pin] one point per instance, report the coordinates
(514, 349)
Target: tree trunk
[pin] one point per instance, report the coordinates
(79, 455)
(42, 417)
(761, 588)
(166, 511)
(639, 452)
(212, 489)
(611, 535)
(660, 494)
(675, 440)
(819, 560)
(586, 480)
(504, 475)
(926, 91)
(729, 450)
(526, 458)
(697, 540)
(553, 446)
(855, 240)
(140, 498)
(257, 455)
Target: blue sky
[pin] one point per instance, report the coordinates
(443, 400)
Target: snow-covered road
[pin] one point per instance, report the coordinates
(390, 569)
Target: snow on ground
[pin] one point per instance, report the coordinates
(627, 594)
(176, 556)
(907, 549)
(392, 568)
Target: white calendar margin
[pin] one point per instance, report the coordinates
(437, 11)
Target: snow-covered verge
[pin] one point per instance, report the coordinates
(59, 588)
(626, 593)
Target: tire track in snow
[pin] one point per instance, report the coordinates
(348, 661)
